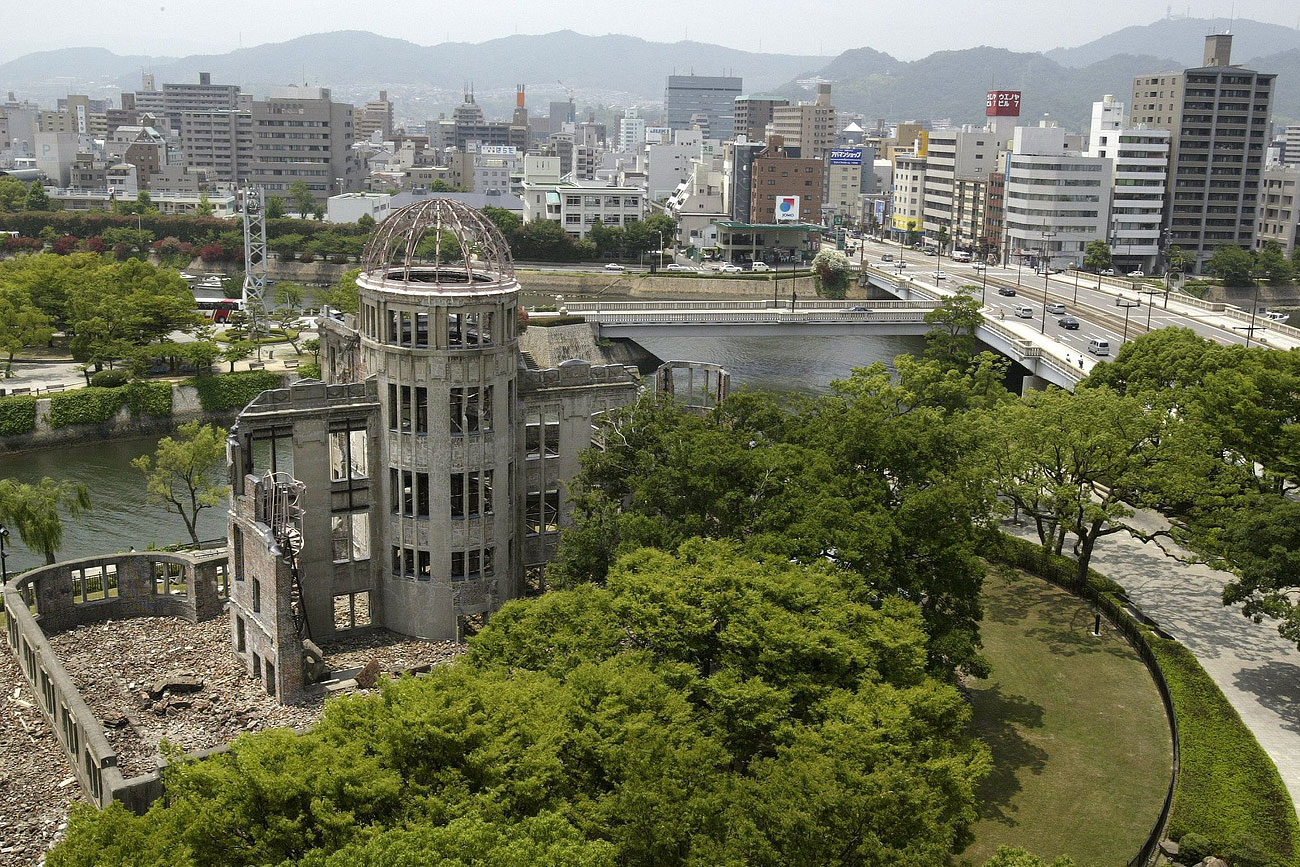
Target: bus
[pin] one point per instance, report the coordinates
(218, 310)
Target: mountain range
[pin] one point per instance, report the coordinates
(626, 70)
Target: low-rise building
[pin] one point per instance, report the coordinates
(1279, 211)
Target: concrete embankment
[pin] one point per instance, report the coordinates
(664, 287)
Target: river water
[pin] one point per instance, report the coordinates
(122, 516)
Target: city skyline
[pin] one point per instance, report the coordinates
(184, 27)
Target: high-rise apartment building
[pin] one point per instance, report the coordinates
(1057, 200)
(711, 95)
(374, 116)
(909, 193)
(168, 104)
(631, 130)
(301, 134)
(1218, 117)
(1291, 145)
(809, 126)
(220, 141)
(1141, 160)
(1279, 208)
(753, 114)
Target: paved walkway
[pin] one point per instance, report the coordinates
(1258, 670)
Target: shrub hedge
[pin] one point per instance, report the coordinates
(110, 378)
(85, 406)
(233, 390)
(152, 398)
(17, 414)
(554, 321)
(1229, 790)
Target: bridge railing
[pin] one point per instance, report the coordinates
(740, 317)
(765, 304)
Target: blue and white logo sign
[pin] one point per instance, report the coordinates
(846, 156)
(787, 209)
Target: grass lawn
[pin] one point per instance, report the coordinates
(1081, 749)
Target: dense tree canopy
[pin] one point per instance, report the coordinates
(702, 708)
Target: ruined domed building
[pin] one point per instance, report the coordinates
(422, 482)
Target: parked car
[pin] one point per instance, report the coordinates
(1137, 273)
(729, 268)
(760, 267)
(1107, 272)
(1006, 290)
(614, 266)
(1069, 323)
(1056, 307)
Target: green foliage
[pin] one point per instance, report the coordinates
(300, 198)
(186, 473)
(37, 511)
(22, 323)
(310, 370)
(274, 207)
(85, 406)
(38, 199)
(13, 194)
(1232, 265)
(1007, 856)
(17, 414)
(109, 379)
(705, 708)
(1194, 848)
(344, 296)
(555, 321)
(806, 485)
(833, 272)
(233, 390)
(1271, 264)
(951, 338)
(1228, 787)
(1096, 255)
(148, 398)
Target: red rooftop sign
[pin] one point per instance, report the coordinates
(1003, 103)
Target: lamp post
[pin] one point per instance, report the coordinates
(661, 250)
(1077, 268)
(1254, 305)
(1127, 305)
(984, 286)
(4, 565)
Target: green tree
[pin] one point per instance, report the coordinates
(204, 207)
(1097, 258)
(1232, 265)
(301, 198)
(913, 233)
(365, 222)
(275, 208)
(834, 273)
(1177, 259)
(237, 350)
(133, 303)
(344, 295)
(1271, 263)
(185, 472)
(441, 186)
(144, 203)
(22, 323)
(505, 220)
(38, 199)
(941, 237)
(13, 194)
(49, 280)
(36, 511)
(951, 338)
(1082, 462)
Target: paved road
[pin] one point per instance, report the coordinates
(1096, 307)
(1258, 671)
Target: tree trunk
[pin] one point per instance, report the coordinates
(1086, 542)
(49, 556)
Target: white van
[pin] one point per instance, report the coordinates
(1024, 311)
(1099, 346)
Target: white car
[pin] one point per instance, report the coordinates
(677, 266)
(729, 268)
(978, 266)
(1138, 273)
(941, 275)
(614, 266)
(760, 267)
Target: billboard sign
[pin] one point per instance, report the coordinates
(846, 156)
(880, 210)
(497, 150)
(1002, 103)
(787, 209)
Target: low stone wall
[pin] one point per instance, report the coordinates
(90, 590)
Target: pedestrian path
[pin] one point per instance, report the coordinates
(1257, 670)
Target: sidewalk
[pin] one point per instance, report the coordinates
(1258, 670)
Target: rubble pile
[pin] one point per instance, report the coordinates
(36, 786)
(394, 652)
(154, 678)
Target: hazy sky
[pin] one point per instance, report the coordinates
(904, 30)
